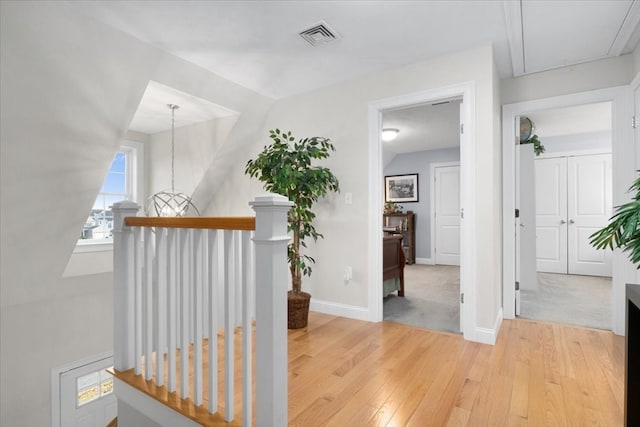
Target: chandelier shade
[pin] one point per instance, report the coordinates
(169, 203)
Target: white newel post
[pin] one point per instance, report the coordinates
(271, 240)
(123, 297)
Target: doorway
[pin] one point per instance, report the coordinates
(564, 197)
(467, 195)
(622, 160)
(426, 147)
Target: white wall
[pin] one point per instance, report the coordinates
(340, 112)
(636, 60)
(600, 141)
(70, 87)
(600, 74)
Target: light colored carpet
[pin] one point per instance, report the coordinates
(569, 299)
(431, 298)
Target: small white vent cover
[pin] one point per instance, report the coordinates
(319, 34)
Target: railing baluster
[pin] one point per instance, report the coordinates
(137, 305)
(147, 295)
(247, 297)
(161, 304)
(197, 321)
(229, 318)
(171, 308)
(213, 284)
(184, 315)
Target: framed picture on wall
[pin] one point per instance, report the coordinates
(401, 188)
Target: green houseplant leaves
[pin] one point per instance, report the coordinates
(285, 167)
(623, 230)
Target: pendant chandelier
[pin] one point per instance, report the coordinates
(169, 203)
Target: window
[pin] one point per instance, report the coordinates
(93, 386)
(121, 183)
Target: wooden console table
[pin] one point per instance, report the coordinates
(632, 356)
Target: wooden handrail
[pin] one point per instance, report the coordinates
(214, 223)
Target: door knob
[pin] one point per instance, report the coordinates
(562, 221)
(571, 221)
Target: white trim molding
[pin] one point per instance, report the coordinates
(424, 261)
(338, 309)
(489, 336)
(513, 19)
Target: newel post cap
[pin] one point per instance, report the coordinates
(125, 205)
(121, 210)
(270, 199)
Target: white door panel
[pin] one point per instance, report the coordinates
(86, 395)
(447, 215)
(449, 242)
(548, 247)
(525, 203)
(589, 208)
(551, 214)
(573, 200)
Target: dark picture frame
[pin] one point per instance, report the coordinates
(401, 188)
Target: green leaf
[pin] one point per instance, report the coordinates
(623, 229)
(288, 169)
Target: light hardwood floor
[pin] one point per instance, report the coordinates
(348, 373)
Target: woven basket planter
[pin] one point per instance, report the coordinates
(298, 305)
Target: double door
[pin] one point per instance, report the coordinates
(573, 200)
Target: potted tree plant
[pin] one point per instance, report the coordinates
(285, 167)
(623, 230)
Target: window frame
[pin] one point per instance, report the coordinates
(134, 187)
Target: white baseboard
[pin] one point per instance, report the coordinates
(424, 261)
(489, 336)
(337, 309)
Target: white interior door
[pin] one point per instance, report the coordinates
(573, 200)
(447, 215)
(525, 202)
(551, 215)
(516, 218)
(589, 208)
(86, 395)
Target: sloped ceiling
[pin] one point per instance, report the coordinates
(153, 115)
(256, 44)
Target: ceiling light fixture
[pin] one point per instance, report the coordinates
(170, 203)
(389, 134)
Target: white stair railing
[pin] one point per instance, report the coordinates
(179, 280)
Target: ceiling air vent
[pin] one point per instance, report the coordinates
(319, 34)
